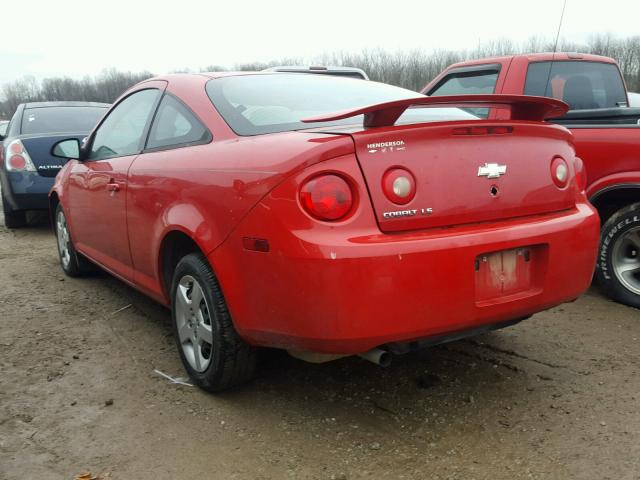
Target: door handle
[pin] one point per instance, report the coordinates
(113, 187)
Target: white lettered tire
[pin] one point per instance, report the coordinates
(618, 267)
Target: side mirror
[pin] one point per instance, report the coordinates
(2, 137)
(69, 148)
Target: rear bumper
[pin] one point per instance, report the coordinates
(26, 190)
(336, 291)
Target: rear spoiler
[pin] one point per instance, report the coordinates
(522, 107)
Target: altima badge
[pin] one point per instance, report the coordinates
(492, 170)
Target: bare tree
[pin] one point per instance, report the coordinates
(106, 87)
(410, 69)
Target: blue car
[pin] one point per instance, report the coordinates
(27, 168)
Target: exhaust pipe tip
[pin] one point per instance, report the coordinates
(377, 356)
(385, 359)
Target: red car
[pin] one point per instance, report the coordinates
(264, 218)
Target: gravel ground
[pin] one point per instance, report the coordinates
(555, 397)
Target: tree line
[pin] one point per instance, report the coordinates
(105, 87)
(410, 69)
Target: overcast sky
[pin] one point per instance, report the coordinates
(75, 38)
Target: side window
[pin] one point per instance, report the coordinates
(466, 84)
(175, 125)
(122, 132)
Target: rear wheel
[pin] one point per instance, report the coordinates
(618, 267)
(13, 219)
(72, 262)
(211, 350)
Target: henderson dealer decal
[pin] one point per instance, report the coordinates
(383, 147)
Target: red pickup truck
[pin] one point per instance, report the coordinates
(606, 134)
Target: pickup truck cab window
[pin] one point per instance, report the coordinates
(467, 83)
(583, 85)
(481, 79)
(175, 125)
(122, 132)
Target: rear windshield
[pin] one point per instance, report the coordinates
(258, 104)
(60, 119)
(583, 85)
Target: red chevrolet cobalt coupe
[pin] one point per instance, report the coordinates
(325, 216)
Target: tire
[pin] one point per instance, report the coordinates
(13, 219)
(72, 262)
(618, 268)
(220, 360)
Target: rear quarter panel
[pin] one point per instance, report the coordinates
(204, 191)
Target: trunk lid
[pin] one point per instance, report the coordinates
(459, 176)
(39, 149)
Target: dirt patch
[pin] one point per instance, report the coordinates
(555, 397)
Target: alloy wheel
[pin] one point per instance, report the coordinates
(62, 234)
(193, 321)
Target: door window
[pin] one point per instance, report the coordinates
(122, 132)
(175, 125)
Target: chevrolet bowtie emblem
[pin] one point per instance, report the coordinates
(492, 170)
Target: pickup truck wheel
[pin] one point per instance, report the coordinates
(618, 268)
(212, 352)
(72, 262)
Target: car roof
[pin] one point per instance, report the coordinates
(186, 76)
(538, 57)
(65, 104)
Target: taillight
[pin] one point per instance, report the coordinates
(16, 147)
(399, 185)
(327, 197)
(17, 158)
(560, 172)
(16, 162)
(581, 174)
